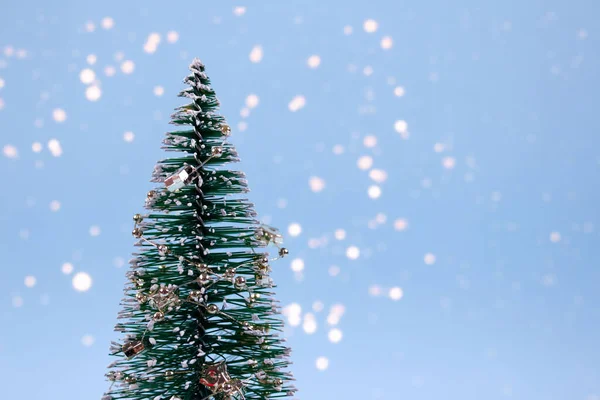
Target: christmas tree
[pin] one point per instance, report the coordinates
(198, 318)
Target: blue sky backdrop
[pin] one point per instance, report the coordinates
(434, 166)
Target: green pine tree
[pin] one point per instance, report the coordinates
(198, 318)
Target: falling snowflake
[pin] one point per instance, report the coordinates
(59, 115)
(370, 25)
(107, 23)
(256, 54)
(82, 281)
(93, 93)
(10, 151)
(297, 103)
(294, 229)
(322, 363)
(314, 61)
(429, 259)
(386, 43)
(352, 252)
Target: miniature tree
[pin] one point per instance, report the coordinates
(198, 318)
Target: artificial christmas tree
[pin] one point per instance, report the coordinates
(198, 317)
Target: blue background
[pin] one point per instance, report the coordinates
(508, 89)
